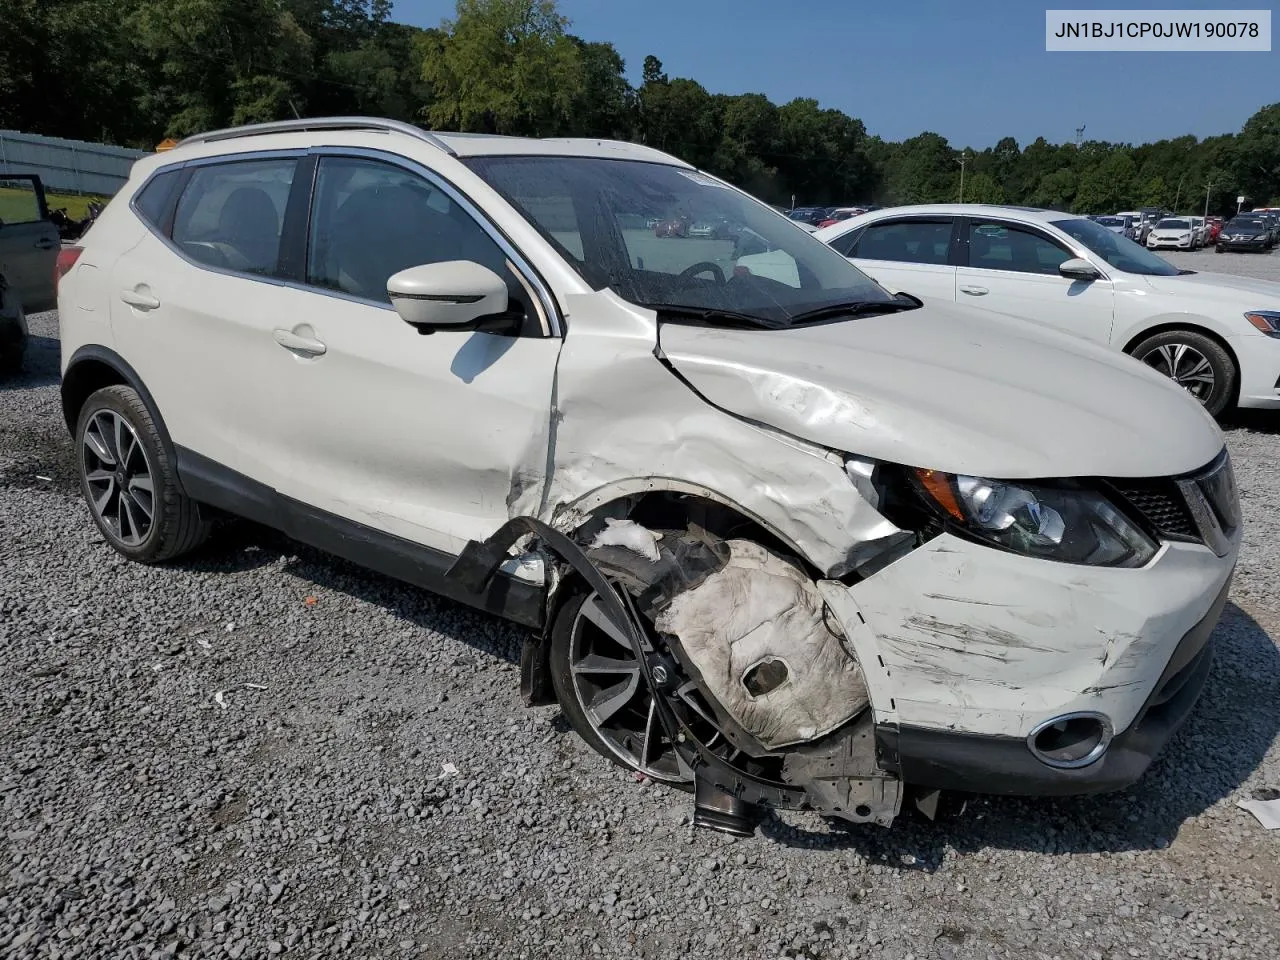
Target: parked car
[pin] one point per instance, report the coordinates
(1141, 227)
(810, 215)
(1201, 227)
(675, 227)
(838, 214)
(746, 554)
(28, 251)
(1247, 232)
(1117, 224)
(1216, 336)
(1178, 233)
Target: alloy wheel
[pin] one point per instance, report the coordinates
(1184, 365)
(611, 690)
(118, 477)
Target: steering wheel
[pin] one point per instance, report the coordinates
(703, 266)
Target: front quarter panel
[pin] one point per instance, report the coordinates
(625, 424)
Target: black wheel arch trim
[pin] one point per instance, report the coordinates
(97, 353)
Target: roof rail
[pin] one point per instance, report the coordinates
(320, 123)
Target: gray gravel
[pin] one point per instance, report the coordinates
(311, 815)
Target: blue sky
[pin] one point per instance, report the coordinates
(973, 72)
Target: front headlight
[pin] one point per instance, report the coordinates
(1267, 321)
(1071, 524)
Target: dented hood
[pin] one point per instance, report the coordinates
(952, 389)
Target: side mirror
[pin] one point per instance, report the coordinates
(1078, 269)
(456, 295)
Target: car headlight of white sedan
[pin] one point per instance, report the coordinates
(1267, 321)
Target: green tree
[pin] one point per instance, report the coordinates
(924, 171)
(1257, 156)
(1108, 186)
(221, 61)
(504, 66)
(983, 188)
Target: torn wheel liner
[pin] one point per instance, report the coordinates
(754, 634)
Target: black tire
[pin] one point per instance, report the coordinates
(176, 525)
(560, 654)
(13, 352)
(1221, 395)
(1218, 250)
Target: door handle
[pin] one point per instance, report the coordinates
(974, 291)
(44, 243)
(139, 299)
(299, 344)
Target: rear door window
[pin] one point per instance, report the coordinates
(19, 201)
(906, 241)
(231, 215)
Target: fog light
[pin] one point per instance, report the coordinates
(1072, 740)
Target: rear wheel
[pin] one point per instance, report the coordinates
(129, 482)
(1198, 364)
(13, 337)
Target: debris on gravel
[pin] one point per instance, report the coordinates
(261, 751)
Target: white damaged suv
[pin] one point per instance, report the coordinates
(780, 536)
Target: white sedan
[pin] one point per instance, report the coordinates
(1177, 233)
(1217, 336)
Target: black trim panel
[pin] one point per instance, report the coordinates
(210, 482)
(108, 357)
(1004, 765)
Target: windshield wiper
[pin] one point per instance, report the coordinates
(856, 308)
(717, 316)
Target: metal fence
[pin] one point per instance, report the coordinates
(67, 166)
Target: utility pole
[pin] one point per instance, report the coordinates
(964, 158)
(1207, 188)
(1178, 196)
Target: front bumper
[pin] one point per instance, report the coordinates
(1004, 765)
(1258, 358)
(966, 649)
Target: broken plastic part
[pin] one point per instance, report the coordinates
(714, 809)
(760, 608)
(841, 776)
(629, 535)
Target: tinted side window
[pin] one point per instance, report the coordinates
(19, 202)
(152, 200)
(906, 242)
(846, 242)
(231, 214)
(370, 220)
(996, 246)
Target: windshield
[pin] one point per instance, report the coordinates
(1110, 221)
(1173, 225)
(665, 236)
(1244, 226)
(1115, 248)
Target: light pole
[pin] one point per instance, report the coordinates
(1178, 196)
(962, 161)
(1206, 200)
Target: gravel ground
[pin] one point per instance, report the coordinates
(243, 755)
